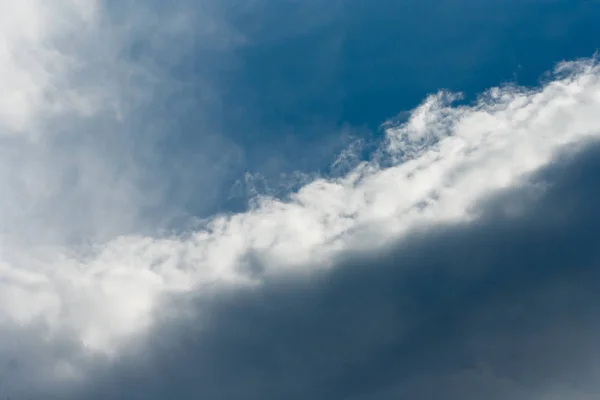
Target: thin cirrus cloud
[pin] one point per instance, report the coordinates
(366, 285)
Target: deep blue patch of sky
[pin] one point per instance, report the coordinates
(315, 71)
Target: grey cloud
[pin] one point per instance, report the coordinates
(504, 307)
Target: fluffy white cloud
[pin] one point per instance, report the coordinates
(448, 158)
(78, 76)
(437, 166)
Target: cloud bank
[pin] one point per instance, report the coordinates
(503, 308)
(459, 261)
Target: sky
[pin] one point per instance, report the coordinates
(284, 199)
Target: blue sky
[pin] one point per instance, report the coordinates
(288, 200)
(314, 75)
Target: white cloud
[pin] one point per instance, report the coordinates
(82, 107)
(108, 294)
(444, 159)
(32, 63)
(73, 168)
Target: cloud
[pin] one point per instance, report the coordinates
(502, 307)
(369, 284)
(444, 162)
(83, 115)
(32, 65)
(90, 107)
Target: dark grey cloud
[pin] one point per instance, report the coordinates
(504, 307)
